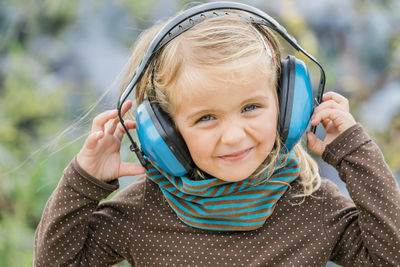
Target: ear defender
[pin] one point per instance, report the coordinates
(160, 141)
(295, 101)
(163, 144)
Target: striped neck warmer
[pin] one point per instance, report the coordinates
(215, 204)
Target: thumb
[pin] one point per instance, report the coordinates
(130, 169)
(314, 144)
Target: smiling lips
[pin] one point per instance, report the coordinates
(236, 156)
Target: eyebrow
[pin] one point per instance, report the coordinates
(255, 99)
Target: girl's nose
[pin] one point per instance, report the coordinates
(232, 134)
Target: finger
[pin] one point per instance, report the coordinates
(130, 169)
(330, 104)
(111, 125)
(100, 120)
(329, 126)
(125, 107)
(325, 114)
(340, 119)
(93, 138)
(338, 98)
(326, 122)
(120, 131)
(314, 144)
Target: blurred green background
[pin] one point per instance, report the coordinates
(58, 57)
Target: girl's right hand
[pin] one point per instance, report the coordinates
(100, 155)
(334, 114)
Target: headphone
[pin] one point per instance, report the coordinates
(162, 143)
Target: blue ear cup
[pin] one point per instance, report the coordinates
(160, 141)
(295, 101)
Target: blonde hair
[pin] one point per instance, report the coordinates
(218, 45)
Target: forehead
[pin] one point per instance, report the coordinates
(246, 74)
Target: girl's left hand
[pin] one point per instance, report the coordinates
(335, 116)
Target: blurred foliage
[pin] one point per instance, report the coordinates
(390, 143)
(43, 90)
(32, 111)
(139, 9)
(28, 117)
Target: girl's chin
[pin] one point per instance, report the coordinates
(232, 173)
(235, 179)
(232, 176)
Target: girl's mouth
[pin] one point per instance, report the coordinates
(236, 156)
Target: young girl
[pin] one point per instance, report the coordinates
(246, 202)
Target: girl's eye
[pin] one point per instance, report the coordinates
(206, 118)
(249, 107)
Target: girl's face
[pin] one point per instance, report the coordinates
(229, 127)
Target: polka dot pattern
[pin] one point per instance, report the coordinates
(369, 232)
(138, 225)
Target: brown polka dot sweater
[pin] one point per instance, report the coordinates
(139, 226)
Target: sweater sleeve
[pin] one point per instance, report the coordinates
(75, 230)
(367, 233)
